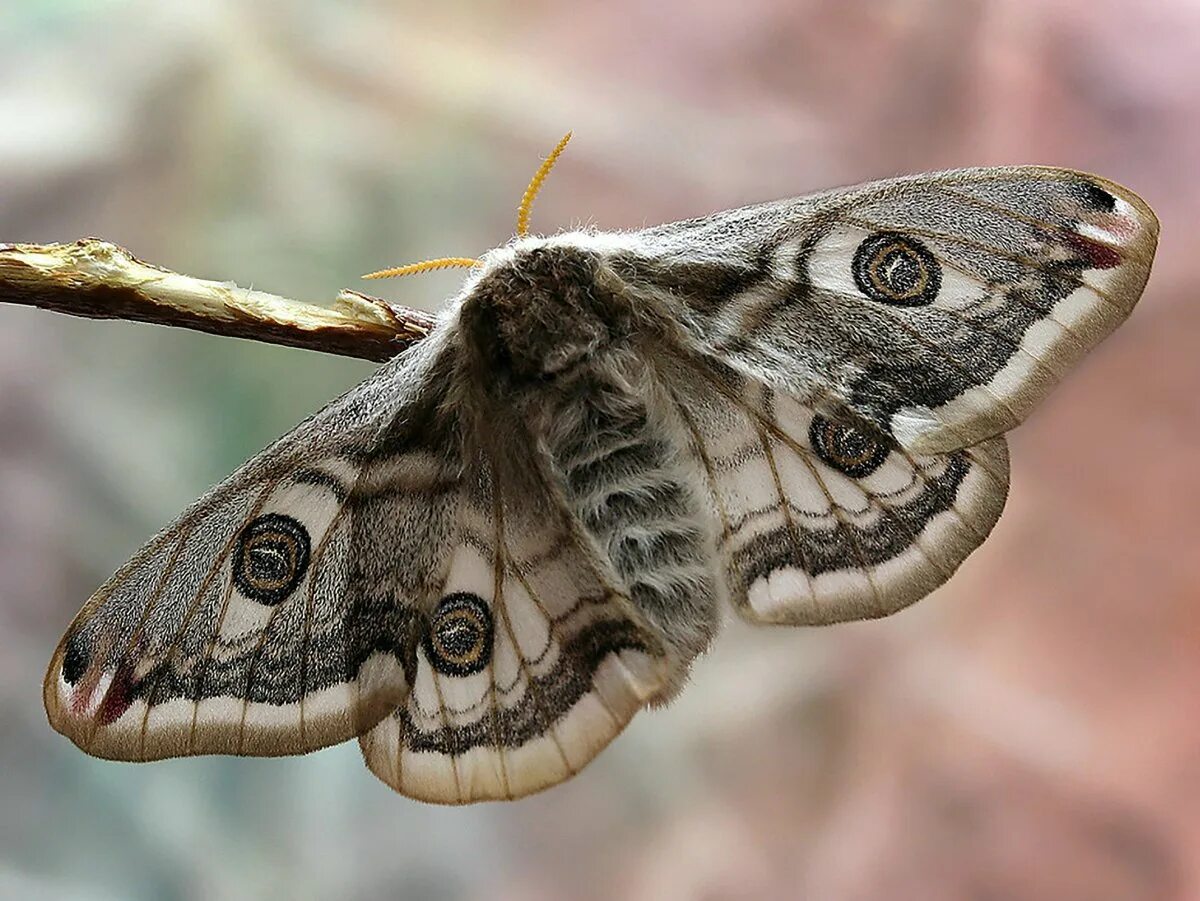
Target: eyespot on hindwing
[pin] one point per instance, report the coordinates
(847, 449)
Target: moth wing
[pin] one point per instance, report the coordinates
(938, 308)
(532, 663)
(269, 618)
(360, 571)
(820, 522)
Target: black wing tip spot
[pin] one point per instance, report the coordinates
(1098, 198)
(76, 657)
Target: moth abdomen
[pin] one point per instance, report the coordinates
(624, 481)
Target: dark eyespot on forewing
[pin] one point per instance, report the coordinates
(459, 639)
(898, 269)
(847, 449)
(270, 558)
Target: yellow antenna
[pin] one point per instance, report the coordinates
(535, 185)
(531, 192)
(425, 266)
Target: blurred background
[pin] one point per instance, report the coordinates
(1031, 731)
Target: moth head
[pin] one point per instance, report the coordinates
(534, 308)
(543, 309)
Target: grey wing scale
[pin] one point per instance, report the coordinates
(844, 365)
(938, 309)
(487, 557)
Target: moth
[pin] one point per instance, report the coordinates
(483, 560)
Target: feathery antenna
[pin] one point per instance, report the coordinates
(531, 192)
(535, 185)
(425, 266)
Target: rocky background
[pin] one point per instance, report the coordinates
(1031, 731)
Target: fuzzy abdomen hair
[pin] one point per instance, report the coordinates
(624, 479)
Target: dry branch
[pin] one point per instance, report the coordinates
(99, 280)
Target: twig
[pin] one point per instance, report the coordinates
(99, 280)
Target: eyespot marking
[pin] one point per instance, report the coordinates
(271, 558)
(459, 639)
(846, 449)
(896, 269)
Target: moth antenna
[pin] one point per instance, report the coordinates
(531, 192)
(425, 266)
(535, 185)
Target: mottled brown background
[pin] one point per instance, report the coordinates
(1032, 731)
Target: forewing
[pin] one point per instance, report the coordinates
(820, 521)
(268, 619)
(939, 309)
(532, 661)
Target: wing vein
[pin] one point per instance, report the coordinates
(212, 572)
(499, 566)
(988, 205)
(531, 685)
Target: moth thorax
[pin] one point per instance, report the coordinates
(545, 311)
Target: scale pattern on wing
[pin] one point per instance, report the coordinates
(270, 618)
(939, 308)
(820, 521)
(531, 662)
(387, 591)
